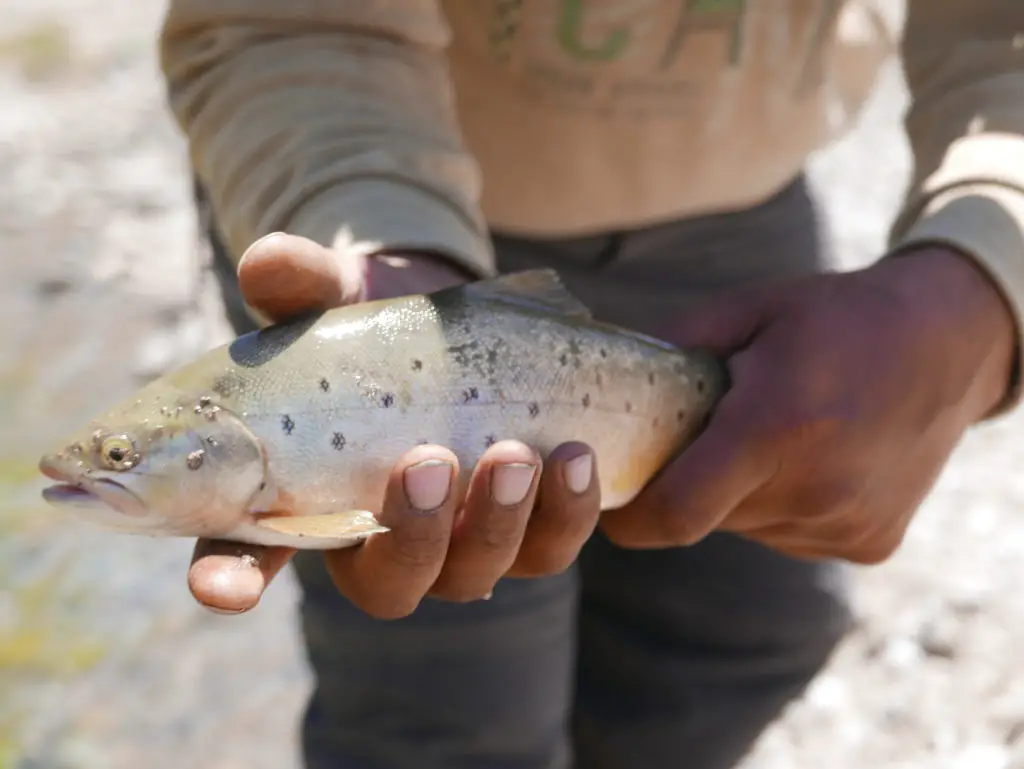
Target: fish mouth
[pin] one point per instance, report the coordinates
(83, 492)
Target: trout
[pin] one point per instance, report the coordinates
(287, 435)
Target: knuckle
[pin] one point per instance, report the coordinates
(676, 528)
(860, 539)
(834, 500)
(842, 536)
(656, 520)
(804, 427)
(869, 556)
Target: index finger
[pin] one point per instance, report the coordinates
(390, 573)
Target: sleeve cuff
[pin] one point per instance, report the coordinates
(376, 215)
(984, 220)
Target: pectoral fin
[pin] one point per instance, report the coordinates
(329, 531)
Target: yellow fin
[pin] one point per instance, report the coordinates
(539, 289)
(351, 524)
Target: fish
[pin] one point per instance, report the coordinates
(286, 436)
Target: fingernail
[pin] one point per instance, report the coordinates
(578, 471)
(227, 585)
(427, 484)
(511, 483)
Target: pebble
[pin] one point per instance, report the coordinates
(940, 637)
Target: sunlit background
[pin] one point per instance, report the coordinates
(105, 660)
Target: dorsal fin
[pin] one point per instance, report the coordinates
(540, 289)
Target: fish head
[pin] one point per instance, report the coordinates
(162, 464)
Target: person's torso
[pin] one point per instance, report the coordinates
(588, 115)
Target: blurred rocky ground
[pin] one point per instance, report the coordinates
(106, 662)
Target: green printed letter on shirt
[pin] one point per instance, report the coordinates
(570, 29)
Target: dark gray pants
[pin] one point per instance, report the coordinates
(631, 660)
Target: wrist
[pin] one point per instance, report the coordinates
(968, 304)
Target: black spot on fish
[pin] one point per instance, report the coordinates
(629, 407)
(422, 442)
(228, 384)
(417, 365)
(534, 409)
(489, 441)
(700, 385)
(195, 460)
(325, 385)
(287, 424)
(586, 401)
(471, 394)
(680, 415)
(263, 485)
(205, 401)
(259, 347)
(387, 400)
(211, 440)
(603, 352)
(462, 354)
(338, 441)
(564, 359)
(650, 379)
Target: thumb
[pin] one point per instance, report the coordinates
(726, 324)
(283, 275)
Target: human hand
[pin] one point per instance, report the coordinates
(849, 392)
(518, 519)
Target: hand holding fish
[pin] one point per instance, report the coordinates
(515, 520)
(849, 392)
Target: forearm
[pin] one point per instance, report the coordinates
(966, 130)
(329, 120)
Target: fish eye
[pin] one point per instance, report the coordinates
(118, 452)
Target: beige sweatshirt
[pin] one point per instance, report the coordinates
(418, 124)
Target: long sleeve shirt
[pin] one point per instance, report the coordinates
(377, 125)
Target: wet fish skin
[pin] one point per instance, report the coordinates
(307, 418)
